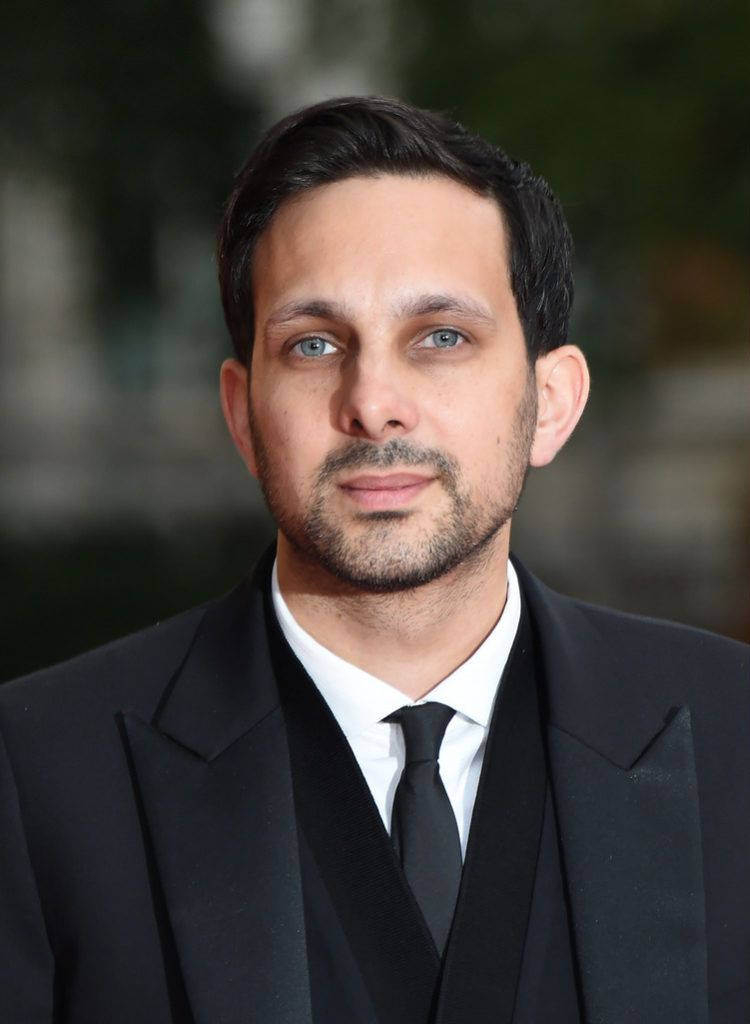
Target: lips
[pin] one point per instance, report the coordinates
(390, 490)
(388, 481)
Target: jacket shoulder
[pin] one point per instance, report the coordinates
(653, 635)
(668, 662)
(647, 654)
(132, 669)
(687, 650)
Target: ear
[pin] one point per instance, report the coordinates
(235, 398)
(562, 383)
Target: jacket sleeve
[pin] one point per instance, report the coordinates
(26, 962)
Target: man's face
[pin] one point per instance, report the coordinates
(392, 406)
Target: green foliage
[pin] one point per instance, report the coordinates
(123, 103)
(633, 110)
(74, 594)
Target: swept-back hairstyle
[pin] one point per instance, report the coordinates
(367, 136)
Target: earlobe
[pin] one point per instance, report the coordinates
(562, 380)
(235, 398)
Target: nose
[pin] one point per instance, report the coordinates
(374, 401)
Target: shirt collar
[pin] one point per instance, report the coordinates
(359, 700)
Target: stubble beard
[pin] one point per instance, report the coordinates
(378, 556)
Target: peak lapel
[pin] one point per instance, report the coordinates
(213, 777)
(624, 782)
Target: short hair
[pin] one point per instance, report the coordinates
(363, 136)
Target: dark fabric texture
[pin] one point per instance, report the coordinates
(353, 852)
(549, 985)
(423, 826)
(488, 941)
(371, 896)
(338, 993)
(96, 926)
(657, 799)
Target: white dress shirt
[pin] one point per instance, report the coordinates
(360, 701)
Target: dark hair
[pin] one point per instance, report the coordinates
(360, 136)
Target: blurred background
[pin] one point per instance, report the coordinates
(121, 124)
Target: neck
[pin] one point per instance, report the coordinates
(411, 639)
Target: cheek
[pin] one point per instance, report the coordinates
(298, 419)
(470, 419)
(294, 448)
(479, 428)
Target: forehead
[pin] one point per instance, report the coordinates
(386, 231)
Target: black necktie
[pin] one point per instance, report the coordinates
(423, 826)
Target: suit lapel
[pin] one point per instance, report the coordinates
(353, 853)
(213, 777)
(489, 929)
(624, 783)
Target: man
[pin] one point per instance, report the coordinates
(392, 778)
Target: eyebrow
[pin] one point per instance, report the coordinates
(429, 304)
(321, 309)
(410, 308)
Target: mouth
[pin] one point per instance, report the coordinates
(388, 490)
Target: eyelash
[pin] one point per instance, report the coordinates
(445, 330)
(311, 337)
(437, 330)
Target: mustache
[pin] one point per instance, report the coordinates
(396, 452)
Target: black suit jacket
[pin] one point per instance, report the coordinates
(149, 864)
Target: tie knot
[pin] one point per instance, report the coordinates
(423, 726)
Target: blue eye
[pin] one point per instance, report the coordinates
(314, 347)
(446, 337)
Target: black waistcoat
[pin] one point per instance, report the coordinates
(371, 957)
